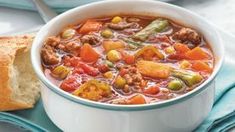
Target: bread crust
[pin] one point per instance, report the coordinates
(9, 47)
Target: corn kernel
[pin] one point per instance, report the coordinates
(170, 50)
(113, 56)
(120, 82)
(107, 33)
(116, 19)
(108, 75)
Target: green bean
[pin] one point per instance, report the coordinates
(155, 26)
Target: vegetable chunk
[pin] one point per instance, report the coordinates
(190, 78)
(93, 90)
(181, 48)
(60, 72)
(88, 54)
(201, 66)
(90, 26)
(153, 69)
(197, 54)
(137, 99)
(154, 27)
(112, 45)
(175, 85)
(148, 52)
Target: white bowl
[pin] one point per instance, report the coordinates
(183, 113)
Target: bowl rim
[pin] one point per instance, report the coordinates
(118, 107)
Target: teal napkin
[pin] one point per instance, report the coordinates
(222, 116)
(20, 123)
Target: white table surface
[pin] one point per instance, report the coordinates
(219, 12)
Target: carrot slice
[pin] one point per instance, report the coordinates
(137, 99)
(197, 54)
(201, 66)
(89, 26)
(88, 54)
(181, 48)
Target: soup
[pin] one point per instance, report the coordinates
(127, 59)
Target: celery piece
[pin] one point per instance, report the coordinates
(190, 78)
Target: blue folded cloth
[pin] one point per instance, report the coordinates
(220, 119)
(222, 116)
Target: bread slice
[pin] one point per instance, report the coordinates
(19, 86)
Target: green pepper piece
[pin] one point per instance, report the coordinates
(155, 26)
(190, 78)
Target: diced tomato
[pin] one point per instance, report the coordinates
(88, 54)
(78, 70)
(176, 56)
(129, 59)
(74, 61)
(90, 26)
(152, 90)
(89, 69)
(70, 84)
(137, 99)
(123, 72)
(181, 48)
(103, 68)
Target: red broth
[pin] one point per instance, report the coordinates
(127, 59)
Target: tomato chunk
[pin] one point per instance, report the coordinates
(89, 69)
(88, 54)
(181, 48)
(152, 90)
(70, 84)
(128, 58)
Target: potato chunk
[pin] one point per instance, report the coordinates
(153, 69)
